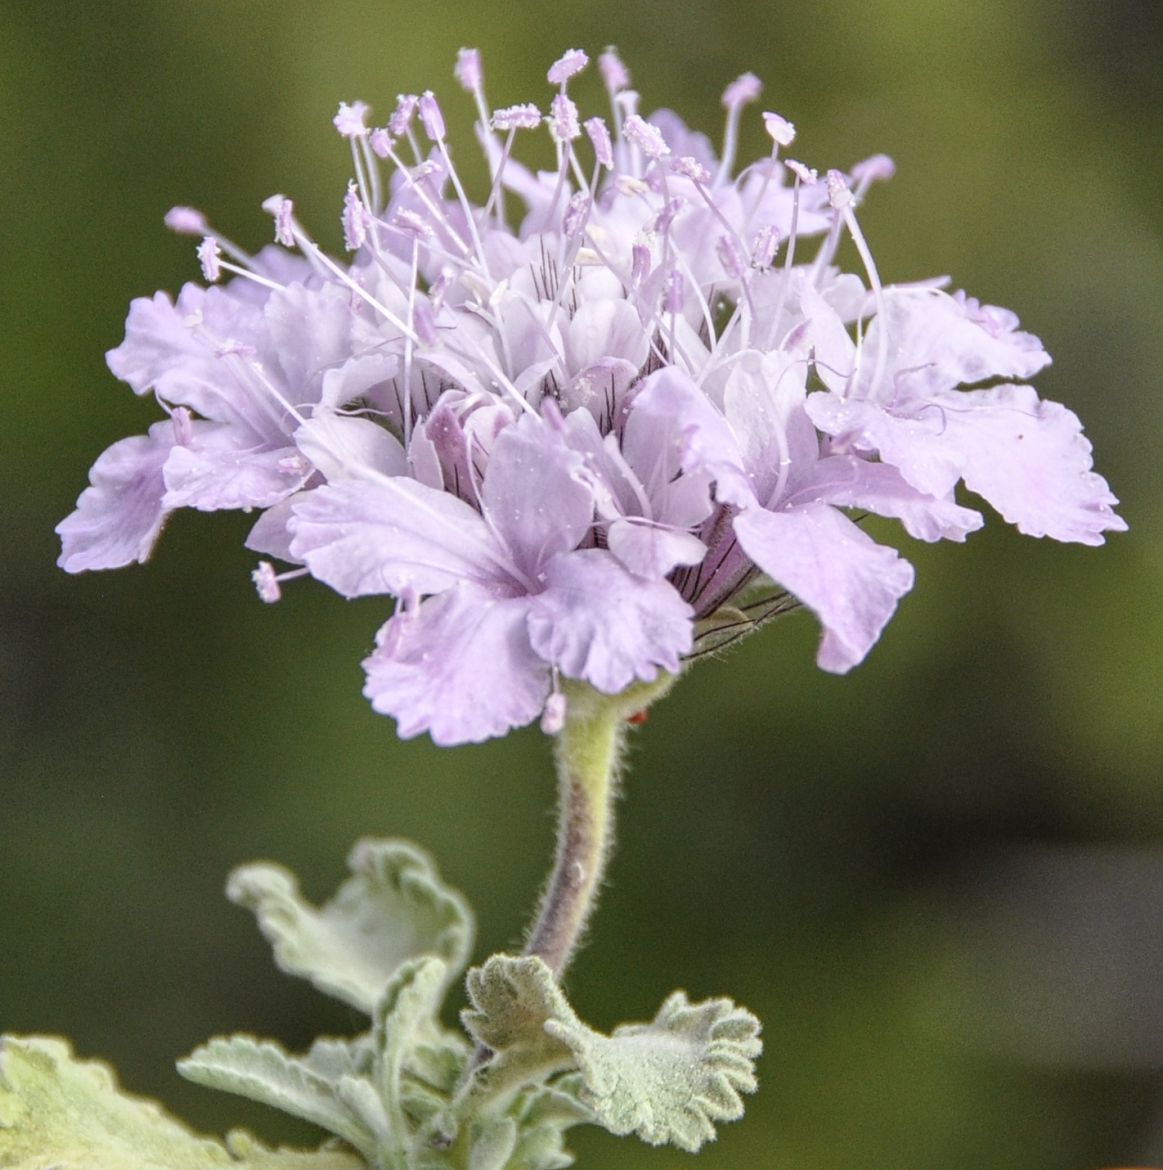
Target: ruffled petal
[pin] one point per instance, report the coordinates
(839, 572)
(917, 444)
(651, 551)
(848, 481)
(120, 515)
(460, 667)
(389, 535)
(270, 534)
(157, 336)
(1031, 461)
(601, 330)
(1027, 457)
(596, 621)
(340, 445)
(535, 494)
(310, 334)
(672, 401)
(936, 342)
(218, 468)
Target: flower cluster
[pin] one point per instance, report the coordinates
(573, 447)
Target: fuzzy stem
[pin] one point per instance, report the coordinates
(588, 752)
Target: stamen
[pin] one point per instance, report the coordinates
(740, 92)
(639, 263)
(186, 221)
(764, 247)
(210, 259)
(400, 123)
(782, 131)
(571, 63)
(525, 116)
(283, 209)
(354, 220)
(266, 582)
(381, 142)
(877, 169)
(431, 117)
(599, 138)
(468, 69)
(615, 75)
(841, 198)
(351, 119)
(563, 122)
(646, 137)
(692, 169)
(574, 220)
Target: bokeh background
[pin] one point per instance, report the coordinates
(939, 881)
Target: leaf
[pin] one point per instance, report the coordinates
(262, 1071)
(669, 1080)
(510, 1001)
(58, 1113)
(393, 908)
(409, 1006)
(493, 1146)
(666, 1081)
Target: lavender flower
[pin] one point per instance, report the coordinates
(585, 446)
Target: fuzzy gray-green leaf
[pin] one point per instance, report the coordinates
(407, 1010)
(669, 1080)
(262, 1071)
(59, 1113)
(393, 908)
(511, 999)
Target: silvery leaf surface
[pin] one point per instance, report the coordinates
(262, 1071)
(393, 908)
(59, 1113)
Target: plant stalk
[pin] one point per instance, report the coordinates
(588, 754)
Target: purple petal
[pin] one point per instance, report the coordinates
(156, 336)
(763, 402)
(672, 401)
(604, 329)
(120, 515)
(848, 580)
(650, 551)
(388, 535)
(1030, 460)
(598, 622)
(937, 342)
(915, 444)
(270, 534)
(848, 481)
(459, 667)
(1027, 457)
(220, 469)
(535, 495)
(310, 332)
(340, 445)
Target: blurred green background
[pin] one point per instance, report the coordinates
(939, 881)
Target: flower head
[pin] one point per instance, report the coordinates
(584, 439)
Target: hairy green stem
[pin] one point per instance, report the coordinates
(588, 752)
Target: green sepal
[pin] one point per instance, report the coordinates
(393, 908)
(303, 1087)
(671, 1079)
(58, 1113)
